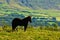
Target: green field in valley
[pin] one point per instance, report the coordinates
(32, 33)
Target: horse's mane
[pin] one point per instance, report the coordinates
(26, 17)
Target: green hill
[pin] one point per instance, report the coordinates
(35, 8)
(33, 4)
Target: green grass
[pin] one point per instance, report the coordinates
(31, 33)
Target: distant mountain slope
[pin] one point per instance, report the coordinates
(38, 4)
(34, 4)
(10, 9)
(12, 4)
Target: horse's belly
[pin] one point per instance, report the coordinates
(21, 24)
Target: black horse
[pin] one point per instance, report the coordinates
(21, 22)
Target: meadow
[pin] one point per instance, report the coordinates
(32, 33)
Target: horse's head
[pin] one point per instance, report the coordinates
(29, 19)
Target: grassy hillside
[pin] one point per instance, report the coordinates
(8, 14)
(33, 4)
(10, 11)
(6, 8)
(31, 34)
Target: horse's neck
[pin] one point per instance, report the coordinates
(25, 19)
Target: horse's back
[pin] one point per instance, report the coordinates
(16, 20)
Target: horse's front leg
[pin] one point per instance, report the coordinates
(25, 27)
